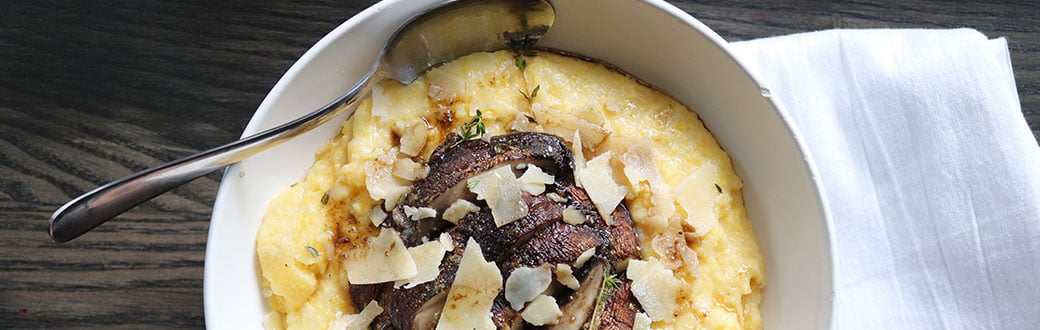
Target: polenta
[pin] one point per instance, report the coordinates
(698, 264)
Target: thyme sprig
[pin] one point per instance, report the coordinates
(474, 128)
(534, 92)
(314, 252)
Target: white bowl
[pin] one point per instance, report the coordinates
(650, 39)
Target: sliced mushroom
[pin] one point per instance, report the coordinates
(540, 237)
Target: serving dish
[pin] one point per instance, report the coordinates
(651, 40)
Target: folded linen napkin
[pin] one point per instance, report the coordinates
(932, 175)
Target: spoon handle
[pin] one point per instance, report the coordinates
(93, 208)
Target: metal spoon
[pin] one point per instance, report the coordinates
(434, 37)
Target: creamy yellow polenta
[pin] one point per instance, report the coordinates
(312, 226)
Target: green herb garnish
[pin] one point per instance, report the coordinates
(611, 283)
(531, 119)
(325, 198)
(522, 41)
(312, 251)
(717, 188)
(474, 128)
(521, 62)
(532, 95)
(400, 199)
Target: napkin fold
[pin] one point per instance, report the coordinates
(932, 175)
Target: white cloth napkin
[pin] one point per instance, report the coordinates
(932, 175)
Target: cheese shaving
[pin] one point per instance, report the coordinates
(598, 181)
(526, 283)
(458, 210)
(357, 321)
(697, 195)
(413, 139)
(561, 124)
(642, 322)
(446, 242)
(533, 180)
(543, 310)
(376, 216)
(501, 189)
(573, 216)
(384, 260)
(584, 257)
(655, 287)
(419, 213)
(469, 301)
(565, 275)
(382, 185)
(406, 168)
(428, 257)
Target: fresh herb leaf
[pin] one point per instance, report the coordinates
(522, 41)
(611, 282)
(325, 198)
(530, 97)
(294, 185)
(474, 128)
(717, 188)
(312, 251)
(521, 62)
(400, 199)
(531, 119)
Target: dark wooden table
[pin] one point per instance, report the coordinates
(91, 91)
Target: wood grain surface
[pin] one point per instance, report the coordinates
(94, 90)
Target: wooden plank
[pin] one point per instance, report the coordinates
(91, 91)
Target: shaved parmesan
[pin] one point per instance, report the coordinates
(577, 149)
(642, 322)
(696, 194)
(655, 287)
(598, 181)
(447, 242)
(675, 252)
(413, 139)
(459, 209)
(444, 85)
(556, 197)
(419, 213)
(357, 321)
(592, 113)
(543, 310)
(562, 124)
(640, 166)
(376, 216)
(523, 123)
(573, 216)
(526, 283)
(427, 258)
(385, 259)
(408, 169)
(584, 257)
(501, 190)
(533, 180)
(469, 301)
(382, 185)
(565, 275)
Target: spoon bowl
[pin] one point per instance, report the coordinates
(439, 35)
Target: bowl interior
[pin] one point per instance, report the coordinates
(652, 40)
